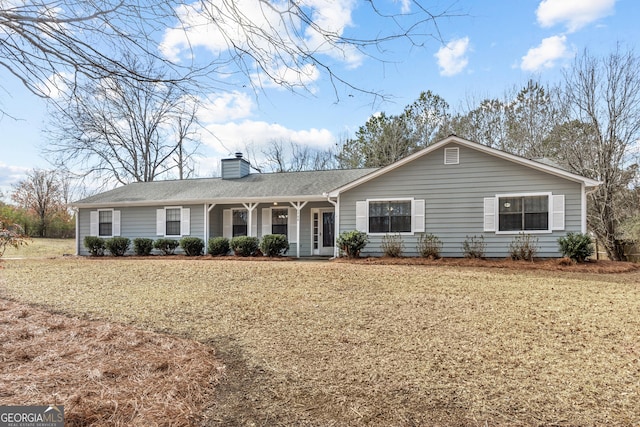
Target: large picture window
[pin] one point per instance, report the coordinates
(239, 222)
(523, 213)
(279, 221)
(105, 223)
(390, 216)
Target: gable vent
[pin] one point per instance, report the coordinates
(451, 156)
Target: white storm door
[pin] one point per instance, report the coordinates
(323, 230)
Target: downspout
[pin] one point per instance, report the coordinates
(77, 213)
(336, 206)
(583, 226)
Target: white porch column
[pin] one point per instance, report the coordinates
(298, 206)
(336, 224)
(207, 226)
(250, 208)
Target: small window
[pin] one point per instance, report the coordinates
(523, 213)
(105, 223)
(279, 221)
(173, 221)
(239, 222)
(451, 156)
(390, 216)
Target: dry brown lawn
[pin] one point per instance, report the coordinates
(319, 343)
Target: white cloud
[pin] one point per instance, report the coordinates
(452, 58)
(575, 14)
(10, 175)
(227, 138)
(405, 5)
(56, 85)
(545, 56)
(213, 27)
(223, 108)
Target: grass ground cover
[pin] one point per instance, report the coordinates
(38, 247)
(352, 344)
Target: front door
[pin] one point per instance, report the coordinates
(323, 224)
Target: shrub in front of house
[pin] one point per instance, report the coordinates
(392, 245)
(577, 246)
(474, 247)
(192, 246)
(117, 246)
(523, 247)
(142, 246)
(274, 245)
(245, 245)
(218, 246)
(352, 242)
(95, 245)
(166, 246)
(429, 246)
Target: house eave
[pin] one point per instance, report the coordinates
(221, 201)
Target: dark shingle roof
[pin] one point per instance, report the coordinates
(288, 185)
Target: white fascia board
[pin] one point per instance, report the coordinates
(221, 201)
(475, 146)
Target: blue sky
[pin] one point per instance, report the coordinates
(492, 46)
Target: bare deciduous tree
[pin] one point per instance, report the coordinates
(42, 192)
(603, 97)
(281, 156)
(125, 129)
(53, 44)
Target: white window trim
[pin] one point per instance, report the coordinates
(267, 226)
(165, 221)
(549, 230)
(393, 199)
(233, 210)
(113, 224)
(182, 220)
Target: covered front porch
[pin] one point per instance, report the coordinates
(308, 224)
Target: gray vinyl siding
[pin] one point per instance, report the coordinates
(140, 222)
(234, 168)
(454, 199)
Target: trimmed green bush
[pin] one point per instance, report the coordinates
(192, 246)
(142, 246)
(117, 246)
(95, 245)
(523, 247)
(218, 246)
(166, 246)
(577, 246)
(429, 246)
(474, 247)
(392, 245)
(352, 242)
(274, 245)
(245, 245)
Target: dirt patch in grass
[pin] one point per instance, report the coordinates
(341, 344)
(104, 373)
